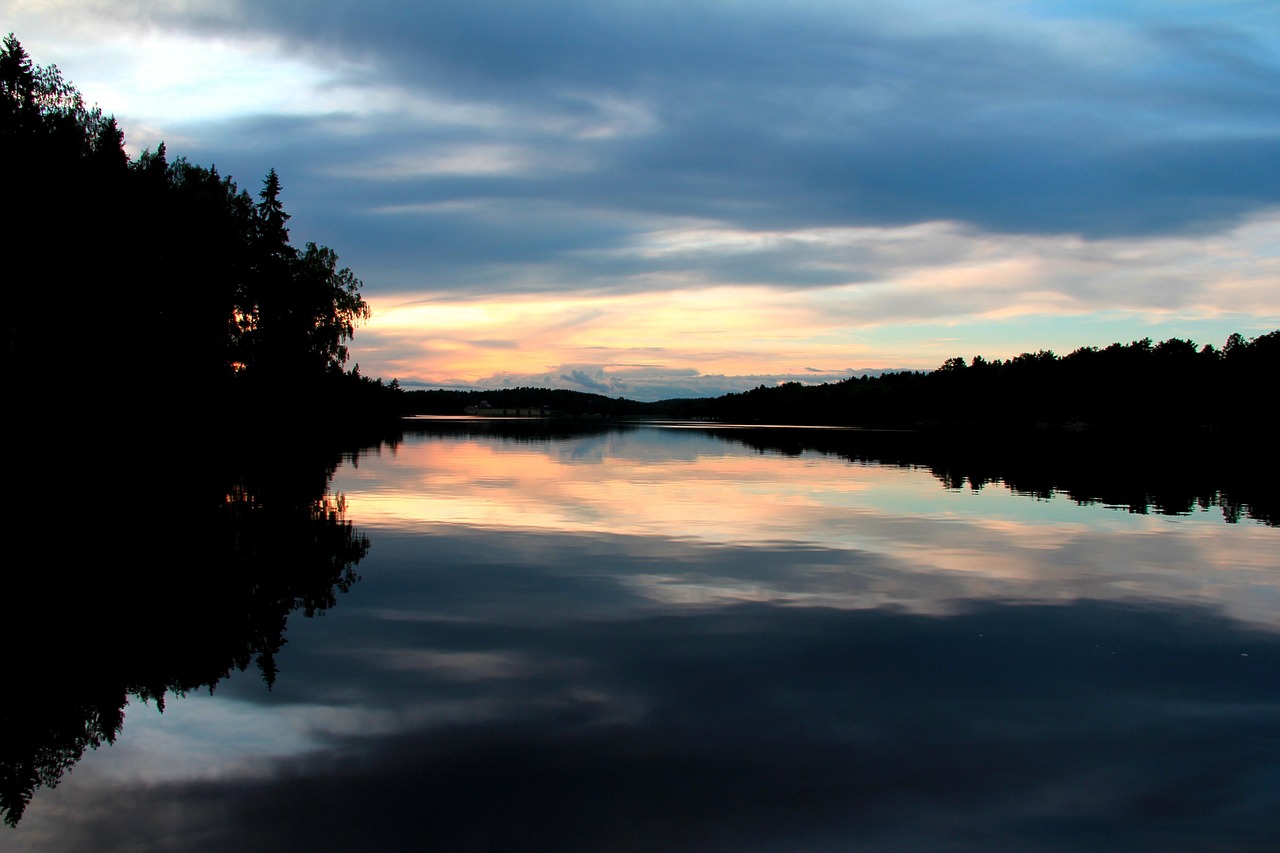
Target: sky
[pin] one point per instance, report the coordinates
(661, 199)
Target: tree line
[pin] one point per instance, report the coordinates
(157, 286)
(1170, 387)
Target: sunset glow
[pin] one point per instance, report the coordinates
(817, 192)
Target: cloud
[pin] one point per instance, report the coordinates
(1003, 117)
(645, 334)
(645, 383)
(1002, 120)
(580, 380)
(916, 164)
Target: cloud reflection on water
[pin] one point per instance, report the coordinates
(583, 646)
(812, 528)
(763, 727)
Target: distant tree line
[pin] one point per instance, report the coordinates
(156, 286)
(1170, 387)
(562, 402)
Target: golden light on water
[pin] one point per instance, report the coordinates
(875, 534)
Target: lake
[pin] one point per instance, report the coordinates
(679, 637)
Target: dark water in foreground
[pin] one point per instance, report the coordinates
(667, 639)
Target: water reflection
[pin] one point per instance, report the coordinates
(820, 527)
(666, 640)
(182, 575)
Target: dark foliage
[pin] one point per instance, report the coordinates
(1170, 388)
(172, 578)
(158, 289)
(560, 402)
(158, 317)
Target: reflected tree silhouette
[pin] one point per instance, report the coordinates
(1158, 475)
(156, 578)
(152, 547)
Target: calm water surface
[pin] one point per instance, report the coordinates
(663, 639)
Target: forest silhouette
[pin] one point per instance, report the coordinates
(159, 289)
(1173, 388)
(178, 400)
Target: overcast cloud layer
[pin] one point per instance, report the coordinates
(661, 199)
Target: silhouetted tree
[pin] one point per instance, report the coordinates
(184, 295)
(299, 308)
(131, 286)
